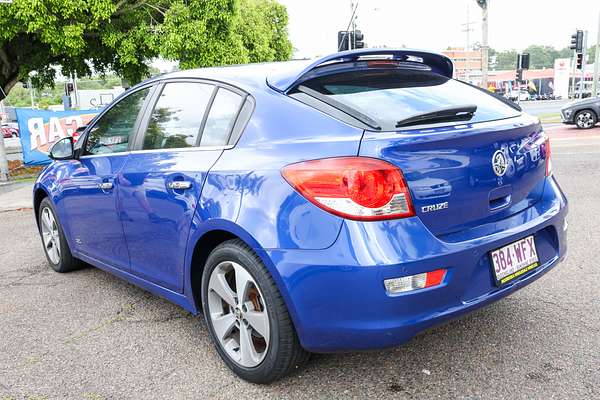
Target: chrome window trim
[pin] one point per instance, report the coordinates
(176, 150)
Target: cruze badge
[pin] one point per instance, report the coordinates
(499, 163)
(434, 207)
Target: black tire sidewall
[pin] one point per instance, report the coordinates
(230, 252)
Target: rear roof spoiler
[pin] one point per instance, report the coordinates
(286, 79)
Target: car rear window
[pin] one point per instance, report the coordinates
(391, 95)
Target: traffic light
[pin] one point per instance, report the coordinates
(577, 41)
(519, 75)
(69, 88)
(579, 61)
(523, 61)
(358, 38)
(343, 40)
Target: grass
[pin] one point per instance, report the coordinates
(549, 118)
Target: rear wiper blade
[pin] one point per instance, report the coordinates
(454, 113)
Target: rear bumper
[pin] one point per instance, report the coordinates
(337, 298)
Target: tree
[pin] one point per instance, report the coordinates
(122, 36)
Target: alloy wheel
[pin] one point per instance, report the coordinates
(585, 119)
(50, 235)
(238, 314)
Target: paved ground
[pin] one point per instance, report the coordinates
(542, 107)
(15, 196)
(89, 335)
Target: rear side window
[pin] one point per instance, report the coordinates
(177, 117)
(391, 95)
(221, 118)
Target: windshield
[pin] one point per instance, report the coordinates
(391, 95)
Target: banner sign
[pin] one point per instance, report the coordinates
(39, 130)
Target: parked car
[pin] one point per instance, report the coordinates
(340, 204)
(9, 131)
(583, 113)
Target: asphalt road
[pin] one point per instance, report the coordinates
(541, 107)
(89, 335)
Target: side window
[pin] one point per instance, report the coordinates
(221, 118)
(112, 132)
(177, 117)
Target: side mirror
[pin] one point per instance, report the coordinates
(62, 150)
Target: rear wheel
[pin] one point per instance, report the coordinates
(55, 245)
(247, 317)
(585, 119)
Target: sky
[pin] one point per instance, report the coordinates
(436, 24)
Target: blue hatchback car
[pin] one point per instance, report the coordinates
(340, 204)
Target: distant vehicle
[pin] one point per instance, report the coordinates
(582, 113)
(524, 95)
(9, 131)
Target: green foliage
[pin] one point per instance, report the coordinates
(122, 36)
(539, 56)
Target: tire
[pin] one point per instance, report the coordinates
(65, 262)
(270, 358)
(585, 119)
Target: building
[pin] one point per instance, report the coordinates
(467, 63)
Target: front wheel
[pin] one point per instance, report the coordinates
(246, 316)
(55, 245)
(585, 119)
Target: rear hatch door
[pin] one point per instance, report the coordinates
(462, 170)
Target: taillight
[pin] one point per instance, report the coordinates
(548, 156)
(359, 188)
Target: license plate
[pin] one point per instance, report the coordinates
(513, 260)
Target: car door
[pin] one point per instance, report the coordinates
(90, 195)
(161, 181)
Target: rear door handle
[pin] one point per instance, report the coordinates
(105, 185)
(180, 185)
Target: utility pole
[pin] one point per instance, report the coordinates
(468, 30)
(596, 62)
(484, 4)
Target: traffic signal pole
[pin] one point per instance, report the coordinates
(583, 62)
(596, 62)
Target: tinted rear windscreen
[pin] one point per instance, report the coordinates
(389, 96)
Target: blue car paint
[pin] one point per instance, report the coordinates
(330, 271)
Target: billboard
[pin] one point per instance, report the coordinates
(40, 129)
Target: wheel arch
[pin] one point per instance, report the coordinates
(201, 244)
(39, 194)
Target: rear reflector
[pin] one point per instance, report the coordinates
(414, 282)
(548, 157)
(359, 188)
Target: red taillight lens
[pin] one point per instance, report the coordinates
(548, 156)
(358, 188)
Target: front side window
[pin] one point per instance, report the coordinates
(177, 117)
(113, 131)
(221, 118)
